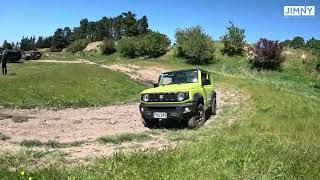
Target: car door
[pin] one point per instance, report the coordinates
(207, 88)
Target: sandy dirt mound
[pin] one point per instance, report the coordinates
(93, 46)
(146, 74)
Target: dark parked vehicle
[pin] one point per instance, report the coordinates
(32, 55)
(10, 55)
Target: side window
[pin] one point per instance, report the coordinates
(209, 77)
(203, 77)
(206, 77)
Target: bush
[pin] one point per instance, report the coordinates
(153, 44)
(108, 47)
(193, 44)
(54, 49)
(297, 42)
(267, 55)
(78, 45)
(233, 40)
(313, 44)
(128, 46)
(316, 61)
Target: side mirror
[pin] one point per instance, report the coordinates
(155, 85)
(206, 82)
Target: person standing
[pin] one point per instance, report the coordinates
(4, 66)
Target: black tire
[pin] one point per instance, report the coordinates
(198, 119)
(149, 124)
(28, 58)
(214, 106)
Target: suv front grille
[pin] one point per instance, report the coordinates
(163, 97)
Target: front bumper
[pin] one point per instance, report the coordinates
(178, 112)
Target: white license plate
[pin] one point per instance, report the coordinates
(160, 115)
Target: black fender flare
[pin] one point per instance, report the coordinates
(197, 97)
(213, 94)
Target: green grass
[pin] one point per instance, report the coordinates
(65, 85)
(50, 144)
(127, 137)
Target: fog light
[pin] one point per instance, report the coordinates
(141, 109)
(186, 110)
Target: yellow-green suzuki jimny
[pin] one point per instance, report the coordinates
(184, 97)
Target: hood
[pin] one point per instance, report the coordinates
(172, 88)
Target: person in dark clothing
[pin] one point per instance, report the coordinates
(4, 66)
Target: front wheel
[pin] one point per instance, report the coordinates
(198, 119)
(149, 124)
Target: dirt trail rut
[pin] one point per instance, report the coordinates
(87, 124)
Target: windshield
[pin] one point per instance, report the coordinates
(179, 77)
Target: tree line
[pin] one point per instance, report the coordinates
(124, 25)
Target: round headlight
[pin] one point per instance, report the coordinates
(145, 97)
(180, 96)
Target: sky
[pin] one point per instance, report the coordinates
(259, 18)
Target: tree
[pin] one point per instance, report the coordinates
(233, 40)
(68, 36)
(6, 45)
(39, 43)
(16, 47)
(195, 45)
(313, 43)
(129, 23)
(267, 55)
(143, 25)
(27, 44)
(286, 43)
(47, 42)
(58, 40)
(297, 42)
(117, 27)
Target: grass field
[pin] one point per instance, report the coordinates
(276, 134)
(65, 85)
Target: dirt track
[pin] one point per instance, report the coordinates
(87, 124)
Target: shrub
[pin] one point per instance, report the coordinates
(267, 55)
(313, 44)
(153, 44)
(78, 45)
(233, 40)
(316, 61)
(297, 42)
(108, 47)
(128, 46)
(54, 49)
(193, 44)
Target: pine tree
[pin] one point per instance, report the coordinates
(143, 25)
(6, 45)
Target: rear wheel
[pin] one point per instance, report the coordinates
(199, 118)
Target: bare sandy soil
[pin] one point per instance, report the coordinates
(87, 124)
